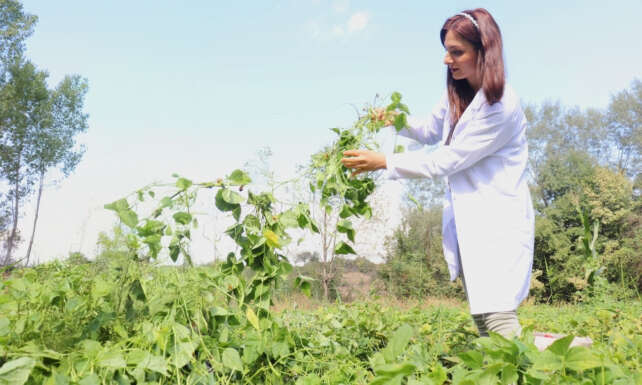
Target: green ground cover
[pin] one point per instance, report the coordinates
(85, 324)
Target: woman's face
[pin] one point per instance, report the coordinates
(461, 58)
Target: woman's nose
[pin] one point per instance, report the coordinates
(447, 59)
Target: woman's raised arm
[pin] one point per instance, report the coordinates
(429, 130)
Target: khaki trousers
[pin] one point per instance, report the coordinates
(501, 322)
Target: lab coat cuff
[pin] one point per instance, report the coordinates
(392, 160)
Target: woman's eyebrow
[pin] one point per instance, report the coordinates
(454, 46)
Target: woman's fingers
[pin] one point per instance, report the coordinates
(352, 162)
(352, 152)
(362, 161)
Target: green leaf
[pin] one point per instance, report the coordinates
(238, 178)
(4, 326)
(183, 183)
(221, 204)
(253, 348)
(398, 342)
(252, 224)
(16, 372)
(236, 213)
(174, 250)
(166, 202)
(151, 227)
(289, 219)
(272, 239)
(345, 226)
(345, 211)
(154, 363)
(232, 360)
(231, 197)
(416, 202)
(579, 358)
(438, 375)
(126, 215)
(547, 361)
(395, 97)
(231, 282)
(235, 231)
(183, 354)
(306, 288)
(111, 359)
(218, 311)
(509, 374)
(473, 359)
(100, 288)
(560, 346)
(136, 291)
(252, 318)
(400, 122)
(182, 218)
(280, 349)
(90, 379)
(154, 244)
(303, 282)
(344, 248)
(57, 379)
(404, 369)
(118, 205)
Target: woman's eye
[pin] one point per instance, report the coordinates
(456, 53)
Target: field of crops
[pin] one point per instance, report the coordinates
(124, 320)
(133, 323)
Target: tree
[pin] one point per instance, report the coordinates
(22, 102)
(624, 120)
(15, 27)
(55, 136)
(39, 127)
(415, 266)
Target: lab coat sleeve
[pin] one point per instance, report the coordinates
(427, 131)
(487, 132)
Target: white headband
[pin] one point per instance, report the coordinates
(470, 18)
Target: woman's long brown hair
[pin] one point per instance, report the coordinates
(488, 43)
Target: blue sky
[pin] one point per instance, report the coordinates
(197, 87)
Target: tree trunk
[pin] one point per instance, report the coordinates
(35, 218)
(324, 273)
(324, 282)
(14, 230)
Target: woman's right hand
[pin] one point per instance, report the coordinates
(381, 115)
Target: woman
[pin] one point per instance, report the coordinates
(488, 224)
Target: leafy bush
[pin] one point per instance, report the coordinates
(414, 265)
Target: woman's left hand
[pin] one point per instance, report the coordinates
(363, 160)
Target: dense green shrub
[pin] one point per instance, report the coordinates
(414, 265)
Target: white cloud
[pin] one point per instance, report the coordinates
(324, 28)
(358, 21)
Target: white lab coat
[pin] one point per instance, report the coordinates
(488, 210)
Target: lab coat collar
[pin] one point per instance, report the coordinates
(478, 100)
(475, 105)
